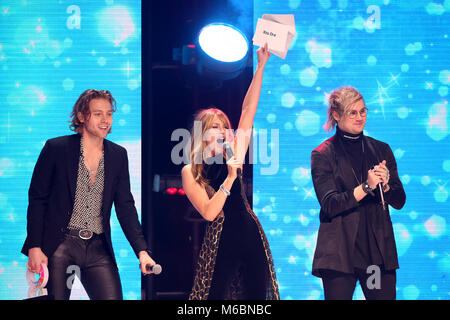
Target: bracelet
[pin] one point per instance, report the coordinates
(224, 190)
(367, 189)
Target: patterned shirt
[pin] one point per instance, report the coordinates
(87, 208)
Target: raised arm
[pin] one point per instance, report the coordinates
(249, 106)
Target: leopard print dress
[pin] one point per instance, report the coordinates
(235, 262)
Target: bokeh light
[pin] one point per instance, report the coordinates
(402, 70)
(45, 65)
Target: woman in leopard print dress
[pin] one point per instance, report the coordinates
(235, 261)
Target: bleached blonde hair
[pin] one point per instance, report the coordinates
(340, 100)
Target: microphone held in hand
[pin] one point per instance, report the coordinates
(380, 189)
(230, 154)
(227, 147)
(155, 269)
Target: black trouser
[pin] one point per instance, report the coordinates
(91, 262)
(341, 286)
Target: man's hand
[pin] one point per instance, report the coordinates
(144, 259)
(35, 258)
(382, 171)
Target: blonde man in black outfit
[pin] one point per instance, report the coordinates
(355, 236)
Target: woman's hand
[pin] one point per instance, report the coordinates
(263, 55)
(233, 165)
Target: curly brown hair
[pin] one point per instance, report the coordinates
(82, 105)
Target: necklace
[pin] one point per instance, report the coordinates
(91, 172)
(350, 137)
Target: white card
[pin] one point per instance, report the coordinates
(277, 31)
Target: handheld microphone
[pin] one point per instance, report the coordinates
(380, 187)
(156, 269)
(227, 147)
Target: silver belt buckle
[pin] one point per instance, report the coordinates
(85, 234)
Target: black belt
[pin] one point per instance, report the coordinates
(84, 234)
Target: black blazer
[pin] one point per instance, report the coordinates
(52, 194)
(339, 213)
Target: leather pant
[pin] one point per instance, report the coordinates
(341, 286)
(91, 262)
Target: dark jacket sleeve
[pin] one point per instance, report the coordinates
(396, 196)
(38, 196)
(126, 210)
(332, 201)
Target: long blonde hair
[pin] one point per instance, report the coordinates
(206, 117)
(340, 101)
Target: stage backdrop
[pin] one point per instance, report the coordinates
(50, 52)
(397, 54)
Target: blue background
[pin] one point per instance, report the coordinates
(46, 62)
(402, 70)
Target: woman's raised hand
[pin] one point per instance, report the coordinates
(263, 55)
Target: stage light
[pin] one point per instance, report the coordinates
(222, 51)
(223, 42)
